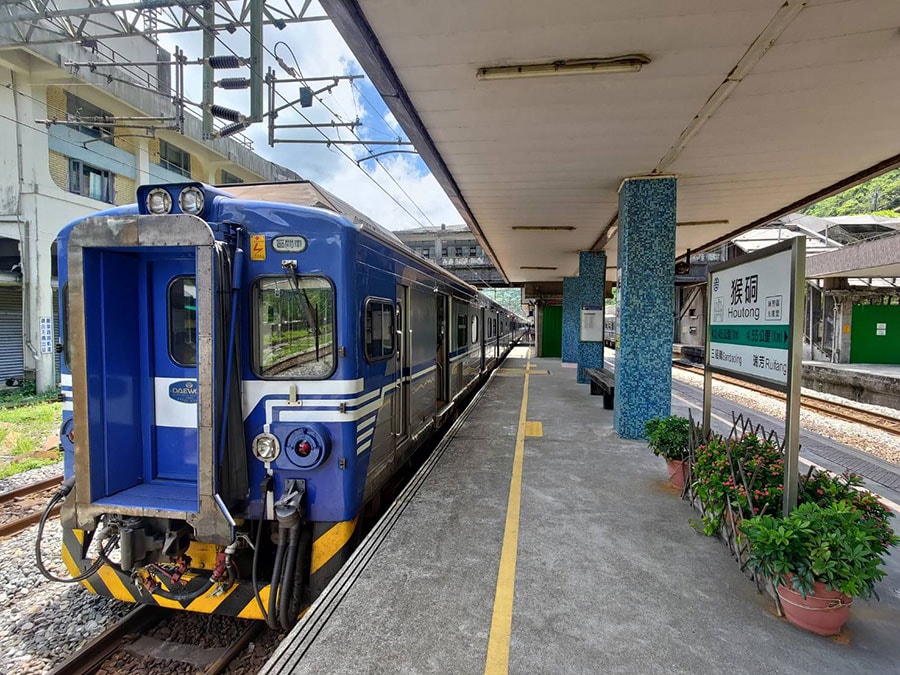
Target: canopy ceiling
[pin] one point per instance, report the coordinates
(758, 107)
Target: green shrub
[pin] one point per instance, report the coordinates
(669, 437)
(834, 544)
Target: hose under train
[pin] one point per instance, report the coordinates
(58, 497)
(289, 566)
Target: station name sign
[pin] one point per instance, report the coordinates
(751, 302)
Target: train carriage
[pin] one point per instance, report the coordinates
(242, 375)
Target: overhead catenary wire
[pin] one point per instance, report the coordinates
(325, 136)
(293, 106)
(353, 133)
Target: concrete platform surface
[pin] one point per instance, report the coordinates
(609, 574)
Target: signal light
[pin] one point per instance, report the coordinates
(224, 113)
(224, 62)
(233, 83)
(232, 129)
(304, 448)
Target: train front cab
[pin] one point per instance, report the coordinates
(140, 310)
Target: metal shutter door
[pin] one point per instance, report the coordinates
(11, 360)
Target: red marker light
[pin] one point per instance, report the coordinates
(304, 448)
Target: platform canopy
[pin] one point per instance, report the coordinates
(758, 106)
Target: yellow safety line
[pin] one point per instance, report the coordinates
(501, 622)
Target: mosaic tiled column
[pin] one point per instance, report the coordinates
(570, 320)
(592, 284)
(646, 269)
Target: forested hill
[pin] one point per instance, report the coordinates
(879, 196)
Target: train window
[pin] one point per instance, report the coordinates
(379, 329)
(474, 328)
(183, 321)
(294, 327)
(462, 325)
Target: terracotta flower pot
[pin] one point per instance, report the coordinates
(822, 611)
(678, 471)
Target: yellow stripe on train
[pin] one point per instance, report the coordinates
(332, 541)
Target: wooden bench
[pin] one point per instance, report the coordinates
(602, 382)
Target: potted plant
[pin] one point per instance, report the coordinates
(670, 438)
(820, 557)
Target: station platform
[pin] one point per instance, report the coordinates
(536, 540)
(875, 383)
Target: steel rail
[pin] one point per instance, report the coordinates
(26, 490)
(823, 406)
(221, 664)
(87, 659)
(18, 524)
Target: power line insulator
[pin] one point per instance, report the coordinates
(232, 129)
(224, 113)
(224, 62)
(233, 83)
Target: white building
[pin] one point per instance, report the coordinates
(52, 174)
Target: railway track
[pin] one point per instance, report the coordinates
(129, 646)
(22, 507)
(823, 406)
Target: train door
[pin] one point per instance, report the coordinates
(172, 335)
(442, 351)
(401, 394)
(484, 331)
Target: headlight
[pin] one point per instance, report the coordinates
(159, 201)
(265, 448)
(190, 200)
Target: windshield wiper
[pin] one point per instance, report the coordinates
(311, 312)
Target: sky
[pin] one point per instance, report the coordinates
(320, 51)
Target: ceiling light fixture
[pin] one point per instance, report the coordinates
(535, 267)
(692, 223)
(543, 227)
(630, 63)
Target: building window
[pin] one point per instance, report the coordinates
(230, 178)
(78, 109)
(472, 252)
(89, 181)
(174, 159)
(379, 329)
(459, 252)
(426, 253)
(183, 321)
(444, 252)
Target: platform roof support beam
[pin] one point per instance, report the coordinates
(571, 298)
(592, 284)
(646, 302)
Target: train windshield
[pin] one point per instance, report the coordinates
(294, 327)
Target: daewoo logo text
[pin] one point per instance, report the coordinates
(184, 391)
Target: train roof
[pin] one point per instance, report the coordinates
(308, 193)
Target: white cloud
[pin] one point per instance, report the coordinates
(391, 120)
(320, 51)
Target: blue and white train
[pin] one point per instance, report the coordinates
(242, 377)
